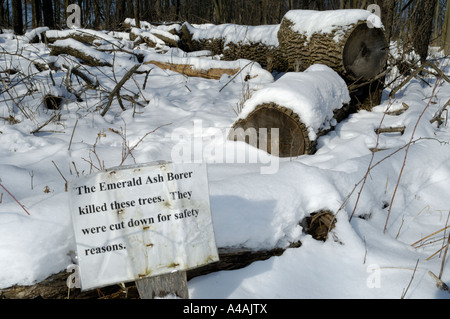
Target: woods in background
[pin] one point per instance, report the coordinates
(419, 22)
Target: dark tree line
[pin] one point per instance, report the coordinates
(419, 22)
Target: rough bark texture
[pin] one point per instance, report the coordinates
(190, 45)
(266, 55)
(356, 52)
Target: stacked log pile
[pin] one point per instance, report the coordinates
(343, 41)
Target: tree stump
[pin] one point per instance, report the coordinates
(340, 39)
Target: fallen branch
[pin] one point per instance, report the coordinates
(116, 90)
(43, 125)
(397, 129)
(190, 70)
(416, 72)
(439, 283)
(438, 117)
(89, 55)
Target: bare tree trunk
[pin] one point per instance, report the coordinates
(120, 11)
(424, 28)
(36, 13)
(137, 14)
(177, 10)
(218, 11)
(25, 14)
(2, 15)
(387, 16)
(17, 17)
(47, 9)
(446, 30)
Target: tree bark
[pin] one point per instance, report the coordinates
(36, 13)
(2, 15)
(424, 28)
(17, 17)
(446, 30)
(137, 14)
(47, 8)
(359, 54)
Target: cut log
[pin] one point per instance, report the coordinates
(190, 70)
(149, 38)
(266, 55)
(81, 35)
(340, 39)
(256, 43)
(193, 39)
(301, 105)
(89, 55)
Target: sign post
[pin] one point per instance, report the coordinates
(139, 222)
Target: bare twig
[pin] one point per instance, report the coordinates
(370, 163)
(43, 125)
(71, 137)
(66, 182)
(444, 257)
(412, 278)
(406, 153)
(23, 207)
(117, 88)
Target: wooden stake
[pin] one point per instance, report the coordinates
(163, 285)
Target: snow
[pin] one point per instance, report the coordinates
(233, 33)
(177, 56)
(309, 22)
(250, 210)
(313, 95)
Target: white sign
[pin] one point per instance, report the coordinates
(142, 221)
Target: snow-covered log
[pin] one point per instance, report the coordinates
(190, 70)
(351, 42)
(81, 35)
(88, 54)
(154, 37)
(302, 105)
(256, 43)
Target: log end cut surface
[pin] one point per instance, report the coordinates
(292, 139)
(365, 53)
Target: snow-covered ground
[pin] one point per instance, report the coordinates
(249, 209)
